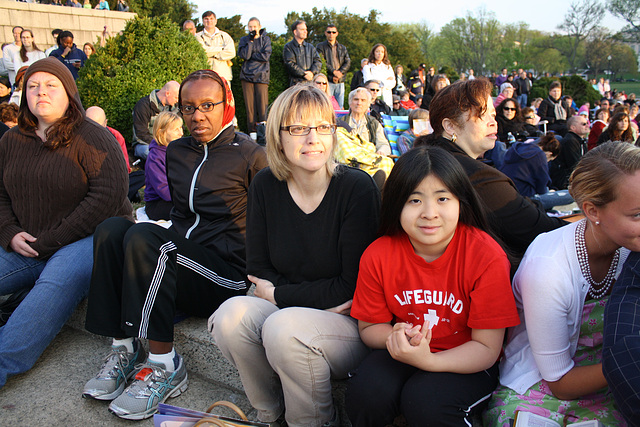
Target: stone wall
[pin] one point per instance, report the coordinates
(85, 24)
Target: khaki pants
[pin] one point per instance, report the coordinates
(286, 358)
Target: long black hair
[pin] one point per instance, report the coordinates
(411, 169)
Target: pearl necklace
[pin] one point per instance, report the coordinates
(596, 289)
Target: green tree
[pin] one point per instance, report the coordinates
(149, 52)
(471, 42)
(629, 11)
(233, 27)
(359, 34)
(178, 11)
(582, 18)
(579, 89)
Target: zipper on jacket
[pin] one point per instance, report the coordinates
(192, 191)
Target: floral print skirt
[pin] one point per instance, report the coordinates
(539, 399)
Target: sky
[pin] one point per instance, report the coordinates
(536, 13)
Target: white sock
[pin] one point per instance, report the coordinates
(127, 342)
(167, 359)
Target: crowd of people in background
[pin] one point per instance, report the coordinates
(462, 201)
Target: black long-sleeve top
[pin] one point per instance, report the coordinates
(515, 219)
(312, 259)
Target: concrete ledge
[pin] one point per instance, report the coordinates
(85, 24)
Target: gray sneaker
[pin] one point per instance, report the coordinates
(117, 368)
(153, 385)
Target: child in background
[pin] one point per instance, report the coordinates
(166, 128)
(433, 300)
(406, 139)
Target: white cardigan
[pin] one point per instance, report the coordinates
(550, 291)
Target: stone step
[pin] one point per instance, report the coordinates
(194, 343)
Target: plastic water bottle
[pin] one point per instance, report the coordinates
(510, 138)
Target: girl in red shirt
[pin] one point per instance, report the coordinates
(433, 299)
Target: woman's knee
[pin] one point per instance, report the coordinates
(111, 228)
(241, 316)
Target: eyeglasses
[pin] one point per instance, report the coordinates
(205, 107)
(509, 109)
(321, 83)
(298, 130)
(331, 32)
(396, 103)
(374, 90)
(529, 118)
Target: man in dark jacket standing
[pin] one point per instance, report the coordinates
(301, 59)
(338, 62)
(255, 49)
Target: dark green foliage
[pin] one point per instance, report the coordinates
(149, 53)
(178, 11)
(233, 27)
(579, 89)
(451, 74)
(279, 80)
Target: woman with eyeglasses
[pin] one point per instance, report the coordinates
(510, 121)
(308, 222)
(143, 273)
(322, 82)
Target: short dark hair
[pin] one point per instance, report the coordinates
(63, 35)
(201, 75)
(549, 143)
(294, 26)
(409, 171)
(332, 26)
(209, 13)
(457, 99)
(554, 84)
(17, 26)
(253, 18)
(55, 32)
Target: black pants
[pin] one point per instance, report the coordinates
(256, 98)
(143, 272)
(383, 388)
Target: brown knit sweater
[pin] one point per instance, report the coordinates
(60, 196)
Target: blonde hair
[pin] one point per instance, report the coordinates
(160, 125)
(296, 104)
(597, 175)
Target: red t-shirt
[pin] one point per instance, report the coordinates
(468, 287)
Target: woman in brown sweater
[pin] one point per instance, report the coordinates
(60, 176)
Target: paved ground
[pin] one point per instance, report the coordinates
(50, 393)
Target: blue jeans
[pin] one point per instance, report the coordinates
(550, 199)
(57, 286)
(522, 100)
(141, 151)
(337, 90)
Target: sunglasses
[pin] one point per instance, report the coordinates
(331, 32)
(529, 118)
(509, 109)
(374, 90)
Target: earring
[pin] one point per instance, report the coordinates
(454, 138)
(597, 222)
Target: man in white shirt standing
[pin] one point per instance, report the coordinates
(218, 45)
(9, 51)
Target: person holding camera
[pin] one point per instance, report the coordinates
(255, 49)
